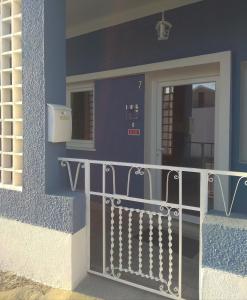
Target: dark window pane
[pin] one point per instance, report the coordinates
(187, 118)
(82, 115)
(201, 99)
(188, 125)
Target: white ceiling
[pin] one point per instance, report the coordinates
(89, 15)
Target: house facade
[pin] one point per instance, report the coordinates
(156, 164)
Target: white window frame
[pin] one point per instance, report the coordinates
(81, 86)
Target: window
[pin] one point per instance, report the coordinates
(201, 99)
(11, 120)
(167, 120)
(80, 97)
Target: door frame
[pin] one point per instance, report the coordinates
(158, 154)
(222, 77)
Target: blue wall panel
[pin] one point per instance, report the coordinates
(55, 93)
(205, 27)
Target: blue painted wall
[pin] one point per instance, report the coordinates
(206, 27)
(112, 142)
(55, 87)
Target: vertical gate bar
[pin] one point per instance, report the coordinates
(112, 238)
(103, 216)
(88, 208)
(130, 241)
(150, 245)
(180, 269)
(169, 223)
(120, 238)
(160, 248)
(203, 211)
(140, 241)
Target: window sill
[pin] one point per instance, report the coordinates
(79, 145)
(80, 149)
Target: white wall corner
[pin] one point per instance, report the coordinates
(222, 285)
(79, 257)
(51, 257)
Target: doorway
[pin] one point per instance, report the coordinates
(185, 138)
(185, 127)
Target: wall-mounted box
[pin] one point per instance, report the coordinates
(59, 123)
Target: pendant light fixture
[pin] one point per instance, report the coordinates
(163, 28)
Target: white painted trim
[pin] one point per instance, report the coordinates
(80, 86)
(125, 16)
(243, 113)
(220, 57)
(226, 222)
(80, 145)
(57, 259)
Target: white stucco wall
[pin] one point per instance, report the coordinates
(229, 285)
(224, 250)
(48, 256)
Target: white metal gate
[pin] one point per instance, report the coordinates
(132, 219)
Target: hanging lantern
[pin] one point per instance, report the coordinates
(163, 28)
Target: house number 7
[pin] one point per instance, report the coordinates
(140, 84)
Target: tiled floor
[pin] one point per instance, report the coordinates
(107, 289)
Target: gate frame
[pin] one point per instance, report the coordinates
(206, 176)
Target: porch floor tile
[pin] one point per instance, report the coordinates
(108, 289)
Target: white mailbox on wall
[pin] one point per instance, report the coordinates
(59, 123)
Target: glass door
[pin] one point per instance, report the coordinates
(187, 136)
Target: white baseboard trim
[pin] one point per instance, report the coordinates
(47, 256)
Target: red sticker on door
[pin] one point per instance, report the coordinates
(134, 131)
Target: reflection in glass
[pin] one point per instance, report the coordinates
(82, 115)
(188, 113)
(188, 125)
